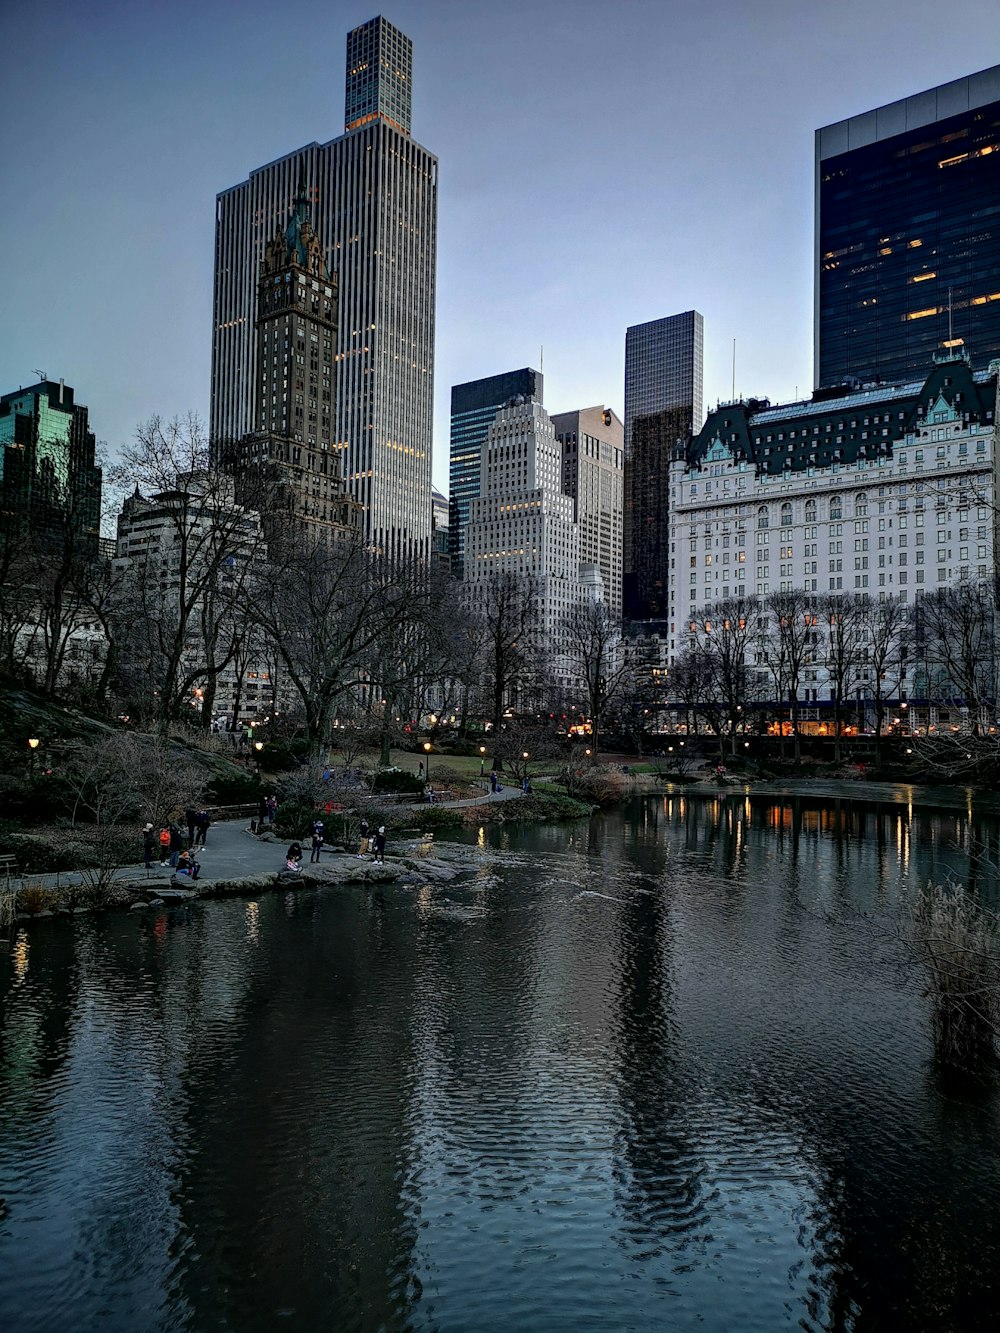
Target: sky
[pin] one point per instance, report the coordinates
(601, 164)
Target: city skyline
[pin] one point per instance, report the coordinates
(147, 124)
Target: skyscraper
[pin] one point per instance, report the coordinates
(908, 234)
(474, 407)
(521, 523)
(50, 486)
(663, 374)
(285, 468)
(373, 194)
(593, 451)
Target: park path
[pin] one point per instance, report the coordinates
(231, 852)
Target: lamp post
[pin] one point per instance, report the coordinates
(482, 759)
(427, 762)
(33, 744)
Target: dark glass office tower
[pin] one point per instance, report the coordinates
(50, 485)
(908, 234)
(379, 76)
(473, 409)
(663, 380)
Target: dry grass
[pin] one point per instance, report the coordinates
(957, 942)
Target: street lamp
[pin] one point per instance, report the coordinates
(482, 759)
(34, 742)
(427, 765)
(258, 746)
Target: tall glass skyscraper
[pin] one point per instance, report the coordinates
(908, 234)
(473, 410)
(373, 196)
(50, 485)
(663, 378)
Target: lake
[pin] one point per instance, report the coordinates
(666, 1069)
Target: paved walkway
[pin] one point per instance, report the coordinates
(233, 852)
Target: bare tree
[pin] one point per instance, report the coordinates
(888, 632)
(844, 620)
(595, 652)
(793, 631)
(506, 606)
(194, 573)
(724, 633)
(956, 628)
(324, 609)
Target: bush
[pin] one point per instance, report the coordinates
(598, 785)
(283, 756)
(294, 817)
(235, 788)
(396, 780)
(34, 899)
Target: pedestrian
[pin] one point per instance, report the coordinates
(191, 819)
(164, 845)
(261, 814)
(493, 782)
(293, 858)
(176, 843)
(272, 805)
(148, 845)
(188, 865)
(202, 823)
(327, 775)
(526, 785)
(420, 769)
(362, 838)
(317, 840)
(379, 844)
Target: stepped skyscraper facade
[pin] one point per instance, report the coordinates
(373, 199)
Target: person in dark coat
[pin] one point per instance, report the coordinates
(201, 825)
(317, 841)
(293, 858)
(176, 843)
(148, 845)
(378, 844)
(261, 814)
(191, 819)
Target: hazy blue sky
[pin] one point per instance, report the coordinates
(601, 165)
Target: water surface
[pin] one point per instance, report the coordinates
(668, 1069)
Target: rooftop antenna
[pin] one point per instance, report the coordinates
(42, 374)
(541, 357)
(734, 369)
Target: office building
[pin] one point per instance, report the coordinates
(286, 468)
(887, 491)
(49, 482)
(663, 374)
(908, 234)
(439, 530)
(522, 523)
(593, 454)
(373, 196)
(473, 408)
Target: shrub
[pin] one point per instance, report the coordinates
(235, 788)
(35, 899)
(958, 943)
(599, 785)
(396, 780)
(294, 817)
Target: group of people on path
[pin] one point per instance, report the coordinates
(177, 853)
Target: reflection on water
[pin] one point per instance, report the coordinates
(666, 1069)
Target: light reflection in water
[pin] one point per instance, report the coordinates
(20, 954)
(253, 923)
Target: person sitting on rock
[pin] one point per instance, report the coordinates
(187, 865)
(293, 859)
